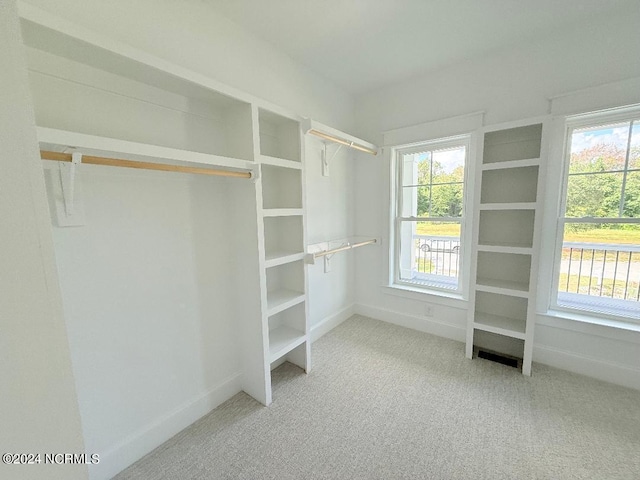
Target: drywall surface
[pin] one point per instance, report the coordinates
(38, 406)
(146, 285)
(189, 34)
(512, 84)
(329, 205)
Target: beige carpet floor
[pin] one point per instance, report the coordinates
(384, 402)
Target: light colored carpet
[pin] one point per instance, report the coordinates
(384, 402)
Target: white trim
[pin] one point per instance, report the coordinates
(421, 324)
(590, 325)
(443, 128)
(130, 449)
(558, 184)
(616, 94)
(442, 297)
(327, 324)
(592, 367)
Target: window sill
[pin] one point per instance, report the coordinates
(605, 327)
(449, 299)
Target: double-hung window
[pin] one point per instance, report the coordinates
(429, 213)
(598, 253)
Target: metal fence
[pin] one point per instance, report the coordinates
(600, 270)
(594, 269)
(437, 255)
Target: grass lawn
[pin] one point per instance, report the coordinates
(601, 235)
(607, 287)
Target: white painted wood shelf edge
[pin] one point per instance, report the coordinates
(279, 162)
(529, 162)
(105, 146)
(273, 259)
(510, 327)
(508, 206)
(282, 212)
(519, 249)
(500, 287)
(280, 300)
(282, 340)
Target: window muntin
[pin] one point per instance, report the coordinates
(430, 213)
(598, 261)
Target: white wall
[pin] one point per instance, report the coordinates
(330, 204)
(38, 404)
(512, 84)
(145, 286)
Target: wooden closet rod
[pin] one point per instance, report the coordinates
(116, 162)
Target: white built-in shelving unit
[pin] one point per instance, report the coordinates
(280, 200)
(101, 97)
(507, 211)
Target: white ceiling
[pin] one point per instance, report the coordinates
(365, 44)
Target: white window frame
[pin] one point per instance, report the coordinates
(396, 208)
(570, 124)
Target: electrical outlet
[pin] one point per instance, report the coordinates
(428, 310)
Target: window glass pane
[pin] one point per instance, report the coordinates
(429, 253)
(599, 149)
(415, 201)
(632, 196)
(446, 200)
(594, 195)
(634, 153)
(600, 262)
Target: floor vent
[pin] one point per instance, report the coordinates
(499, 358)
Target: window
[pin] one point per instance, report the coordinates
(429, 213)
(598, 254)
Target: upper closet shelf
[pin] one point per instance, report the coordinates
(60, 140)
(336, 136)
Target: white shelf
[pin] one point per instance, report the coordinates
(282, 340)
(510, 327)
(529, 162)
(104, 146)
(509, 206)
(281, 212)
(279, 162)
(516, 289)
(273, 259)
(520, 249)
(280, 300)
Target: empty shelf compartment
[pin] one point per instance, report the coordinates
(509, 271)
(279, 136)
(502, 314)
(512, 144)
(283, 236)
(508, 228)
(281, 187)
(285, 286)
(286, 331)
(509, 185)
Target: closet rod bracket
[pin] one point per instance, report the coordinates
(70, 212)
(256, 172)
(325, 159)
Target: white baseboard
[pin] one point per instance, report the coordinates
(591, 367)
(139, 443)
(422, 324)
(329, 323)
